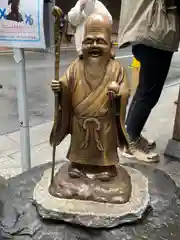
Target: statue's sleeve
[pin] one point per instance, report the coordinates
(124, 91)
(121, 105)
(62, 123)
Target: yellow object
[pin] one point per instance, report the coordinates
(135, 75)
(135, 63)
(115, 43)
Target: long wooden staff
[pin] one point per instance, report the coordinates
(57, 13)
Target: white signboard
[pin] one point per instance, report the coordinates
(21, 23)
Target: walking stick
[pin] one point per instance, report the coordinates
(56, 12)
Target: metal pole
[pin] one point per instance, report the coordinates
(50, 19)
(23, 109)
(52, 25)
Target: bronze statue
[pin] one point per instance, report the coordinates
(92, 97)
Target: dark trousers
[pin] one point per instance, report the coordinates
(155, 65)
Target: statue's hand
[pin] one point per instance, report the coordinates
(56, 86)
(114, 88)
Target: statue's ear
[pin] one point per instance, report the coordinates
(112, 53)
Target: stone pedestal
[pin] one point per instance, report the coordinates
(91, 213)
(19, 219)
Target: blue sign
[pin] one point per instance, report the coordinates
(25, 28)
(2, 13)
(28, 17)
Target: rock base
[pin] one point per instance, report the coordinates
(90, 213)
(19, 219)
(87, 187)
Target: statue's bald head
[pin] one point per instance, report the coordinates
(98, 23)
(97, 37)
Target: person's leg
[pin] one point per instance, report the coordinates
(153, 72)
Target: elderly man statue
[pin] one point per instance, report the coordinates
(93, 95)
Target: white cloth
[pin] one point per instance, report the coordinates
(77, 18)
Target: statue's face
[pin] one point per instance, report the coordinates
(96, 45)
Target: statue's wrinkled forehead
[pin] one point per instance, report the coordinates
(98, 23)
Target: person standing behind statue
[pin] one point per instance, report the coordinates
(152, 28)
(78, 15)
(62, 23)
(69, 29)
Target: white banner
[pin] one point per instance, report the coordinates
(21, 23)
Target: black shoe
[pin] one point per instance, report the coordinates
(151, 144)
(140, 150)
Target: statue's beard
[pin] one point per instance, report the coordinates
(96, 66)
(95, 70)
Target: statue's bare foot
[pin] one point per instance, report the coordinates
(107, 175)
(75, 170)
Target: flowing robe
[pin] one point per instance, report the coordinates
(86, 114)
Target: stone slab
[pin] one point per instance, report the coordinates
(8, 146)
(172, 168)
(173, 149)
(93, 214)
(19, 219)
(9, 167)
(39, 134)
(42, 153)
